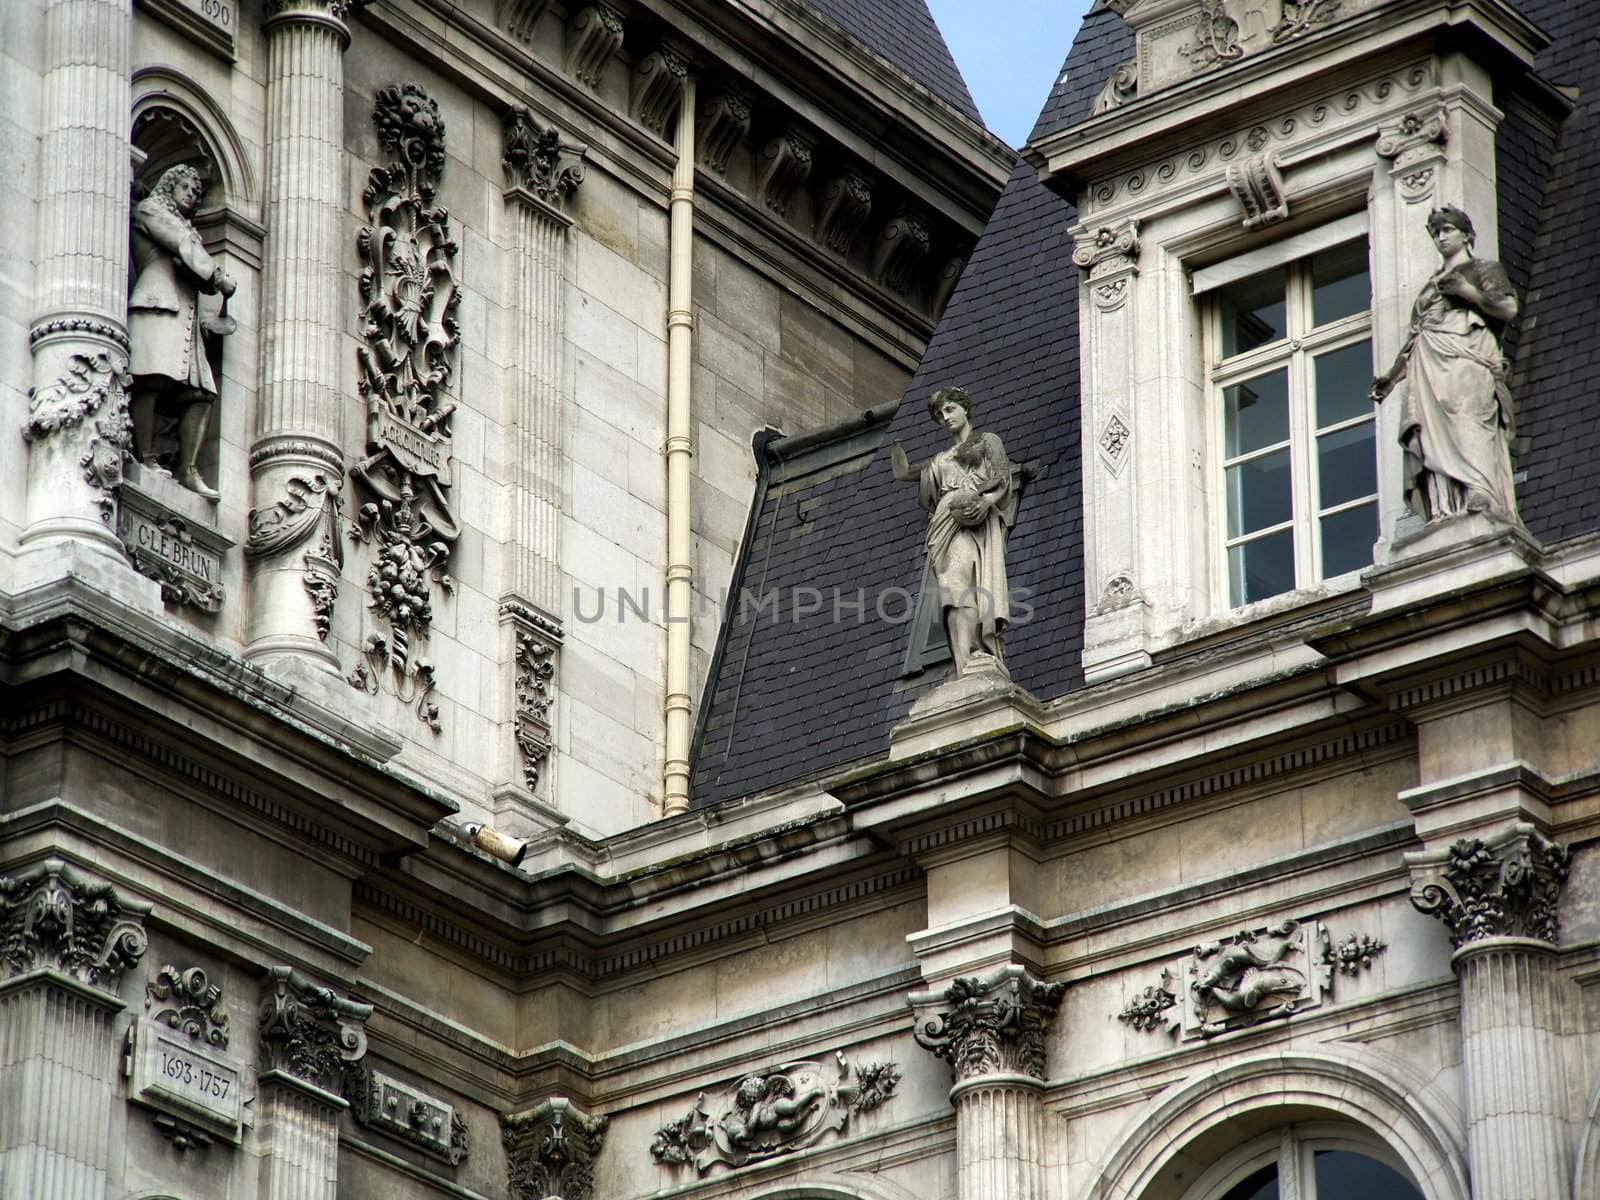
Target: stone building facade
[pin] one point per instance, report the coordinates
(396, 806)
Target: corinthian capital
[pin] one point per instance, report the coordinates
(310, 1032)
(1506, 885)
(52, 918)
(993, 1026)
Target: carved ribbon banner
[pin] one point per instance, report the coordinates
(411, 341)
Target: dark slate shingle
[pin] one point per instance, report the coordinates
(904, 32)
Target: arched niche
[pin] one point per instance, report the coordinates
(174, 121)
(1196, 1122)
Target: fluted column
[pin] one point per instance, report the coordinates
(296, 465)
(69, 939)
(543, 171)
(992, 1032)
(309, 1035)
(1499, 897)
(77, 425)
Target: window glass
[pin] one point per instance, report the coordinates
(1344, 378)
(1259, 493)
(1347, 465)
(1259, 569)
(1263, 1185)
(1256, 413)
(1342, 1173)
(1347, 538)
(1339, 284)
(1254, 312)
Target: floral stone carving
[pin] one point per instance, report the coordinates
(1506, 886)
(535, 694)
(411, 340)
(1256, 975)
(310, 1032)
(92, 389)
(993, 1026)
(550, 1150)
(53, 918)
(773, 1112)
(193, 1004)
(539, 162)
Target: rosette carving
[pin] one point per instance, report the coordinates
(993, 1026)
(1508, 885)
(53, 918)
(310, 1032)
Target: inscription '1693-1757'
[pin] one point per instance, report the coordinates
(178, 1075)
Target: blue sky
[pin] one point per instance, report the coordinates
(1010, 52)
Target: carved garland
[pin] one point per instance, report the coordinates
(411, 341)
(311, 508)
(90, 387)
(53, 918)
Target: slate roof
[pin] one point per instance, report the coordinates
(793, 699)
(904, 32)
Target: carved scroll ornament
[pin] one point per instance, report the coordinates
(773, 1112)
(993, 1026)
(309, 1032)
(188, 1002)
(54, 918)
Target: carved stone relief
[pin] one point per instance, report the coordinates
(539, 162)
(902, 245)
(410, 343)
(1414, 147)
(1253, 976)
(54, 918)
(1113, 442)
(309, 1032)
(308, 516)
(188, 1002)
(1108, 250)
(92, 390)
(169, 538)
(846, 203)
(1508, 885)
(1121, 88)
(594, 35)
(945, 282)
(1257, 184)
(1228, 30)
(178, 1061)
(721, 124)
(550, 1150)
(993, 1026)
(657, 87)
(773, 1112)
(535, 693)
(785, 165)
(519, 18)
(385, 1104)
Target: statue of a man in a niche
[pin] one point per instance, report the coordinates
(171, 373)
(1456, 421)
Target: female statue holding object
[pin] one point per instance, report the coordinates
(1456, 421)
(968, 489)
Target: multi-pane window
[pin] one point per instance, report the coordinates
(1290, 364)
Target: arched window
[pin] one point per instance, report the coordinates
(1308, 1162)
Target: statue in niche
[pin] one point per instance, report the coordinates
(171, 372)
(969, 491)
(1456, 421)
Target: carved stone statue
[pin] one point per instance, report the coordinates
(1456, 421)
(968, 490)
(169, 367)
(769, 1104)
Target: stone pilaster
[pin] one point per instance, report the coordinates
(308, 1036)
(295, 453)
(67, 941)
(992, 1032)
(77, 426)
(543, 172)
(1499, 897)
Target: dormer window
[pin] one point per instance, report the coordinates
(1289, 362)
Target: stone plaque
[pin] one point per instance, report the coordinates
(210, 22)
(185, 1077)
(384, 1103)
(420, 451)
(170, 539)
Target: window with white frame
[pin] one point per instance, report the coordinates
(1311, 1162)
(1288, 350)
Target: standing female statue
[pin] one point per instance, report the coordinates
(968, 490)
(1455, 418)
(164, 323)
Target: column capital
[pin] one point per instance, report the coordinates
(53, 918)
(544, 170)
(1505, 885)
(332, 14)
(551, 1148)
(308, 1032)
(989, 1026)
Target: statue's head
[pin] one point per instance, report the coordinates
(181, 185)
(947, 395)
(1448, 216)
(750, 1092)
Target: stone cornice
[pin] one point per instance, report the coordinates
(1164, 121)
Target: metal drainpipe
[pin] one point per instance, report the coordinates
(680, 450)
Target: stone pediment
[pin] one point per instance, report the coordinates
(1179, 39)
